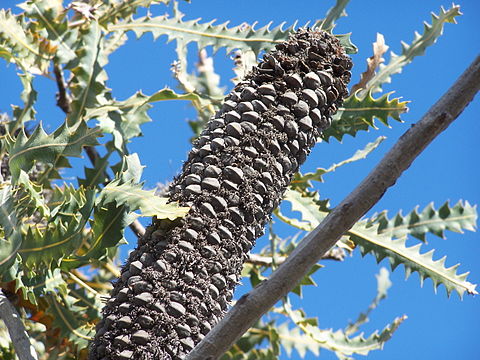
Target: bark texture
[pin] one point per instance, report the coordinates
(178, 282)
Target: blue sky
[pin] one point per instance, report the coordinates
(437, 327)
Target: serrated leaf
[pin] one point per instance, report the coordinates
(334, 13)
(43, 283)
(88, 81)
(205, 83)
(11, 241)
(115, 11)
(243, 61)
(311, 215)
(417, 224)
(108, 225)
(50, 149)
(50, 15)
(34, 192)
(123, 118)
(359, 114)
(420, 43)
(20, 45)
(262, 342)
(306, 280)
(113, 41)
(293, 339)
(383, 284)
(396, 251)
(63, 234)
(338, 341)
(26, 113)
(8, 218)
(97, 175)
(302, 225)
(147, 202)
(69, 320)
(303, 181)
(88, 299)
(130, 170)
(244, 37)
(125, 190)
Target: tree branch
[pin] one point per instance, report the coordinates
(63, 99)
(21, 343)
(250, 307)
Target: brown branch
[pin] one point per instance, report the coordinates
(63, 99)
(21, 343)
(250, 307)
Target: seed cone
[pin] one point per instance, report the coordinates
(178, 282)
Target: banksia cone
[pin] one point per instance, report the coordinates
(178, 282)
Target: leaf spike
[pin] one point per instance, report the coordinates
(381, 245)
(408, 272)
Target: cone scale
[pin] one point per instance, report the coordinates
(178, 282)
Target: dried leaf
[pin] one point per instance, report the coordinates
(379, 48)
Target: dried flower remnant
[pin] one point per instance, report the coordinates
(178, 282)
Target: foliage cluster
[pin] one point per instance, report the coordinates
(59, 240)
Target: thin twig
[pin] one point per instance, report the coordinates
(63, 99)
(250, 307)
(21, 343)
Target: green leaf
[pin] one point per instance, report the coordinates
(26, 113)
(309, 208)
(8, 220)
(11, 241)
(306, 280)
(63, 234)
(91, 303)
(303, 181)
(19, 45)
(123, 119)
(293, 339)
(135, 198)
(359, 114)
(338, 341)
(96, 176)
(113, 41)
(107, 231)
(115, 11)
(205, 83)
(461, 216)
(88, 82)
(248, 346)
(50, 15)
(35, 194)
(383, 246)
(244, 37)
(334, 13)
(383, 284)
(420, 43)
(130, 169)
(125, 190)
(50, 149)
(38, 285)
(68, 318)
